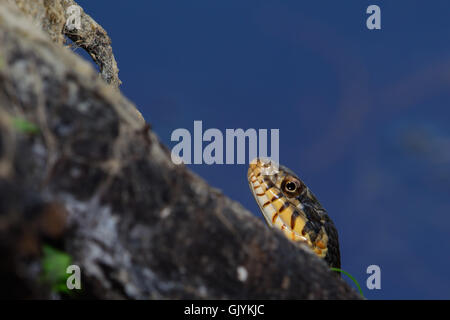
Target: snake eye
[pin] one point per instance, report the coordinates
(291, 186)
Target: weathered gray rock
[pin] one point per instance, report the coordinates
(94, 181)
(51, 16)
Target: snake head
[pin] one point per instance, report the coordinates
(288, 205)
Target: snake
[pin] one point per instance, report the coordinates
(289, 206)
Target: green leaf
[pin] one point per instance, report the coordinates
(54, 266)
(25, 126)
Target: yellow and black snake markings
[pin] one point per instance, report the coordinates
(288, 205)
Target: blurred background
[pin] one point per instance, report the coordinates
(363, 114)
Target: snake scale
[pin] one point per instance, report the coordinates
(288, 205)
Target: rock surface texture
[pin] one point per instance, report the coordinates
(82, 171)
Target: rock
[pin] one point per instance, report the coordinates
(82, 171)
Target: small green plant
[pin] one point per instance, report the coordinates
(54, 266)
(24, 126)
(351, 277)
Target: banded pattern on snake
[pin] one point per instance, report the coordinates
(288, 205)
